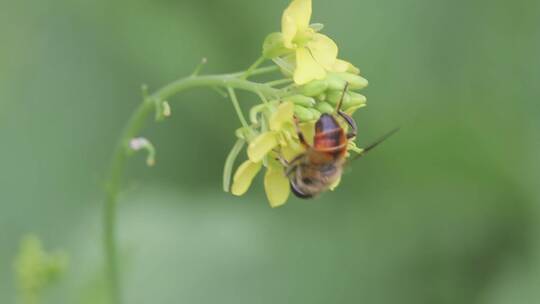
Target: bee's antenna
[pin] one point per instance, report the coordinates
(340, 102)
(376, 143)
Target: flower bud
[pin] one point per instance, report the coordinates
(303, 114)
(166, 109)
(141, 143)
(316, 113)
(333, 97)
(335, 82)
(314, 87)
(355, 82)
(243, 133)
(301, 100)
(355, 100)
(325, 107)
(344, 66)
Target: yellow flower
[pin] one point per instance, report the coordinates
(281, 125)
(314, 53)
(280, 136)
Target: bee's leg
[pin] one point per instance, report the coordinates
(293, 164)
(282, 161)
(301, 135)
(353, 129)
(290, 170)
(290, 166)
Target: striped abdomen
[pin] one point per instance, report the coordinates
(329, 137)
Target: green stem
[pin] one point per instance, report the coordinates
(278, 82)
(131, 130)
(249, 71)
(237, 108)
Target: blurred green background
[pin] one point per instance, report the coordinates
(444, 212)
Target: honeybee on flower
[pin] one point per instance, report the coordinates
(303, 139)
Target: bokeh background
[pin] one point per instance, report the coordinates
(444, 212)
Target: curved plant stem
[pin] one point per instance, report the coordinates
(237, 108)
(229, 163)
(131, 130)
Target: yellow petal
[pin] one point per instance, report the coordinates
(344, 66)
(324, 50)
(295, 19)
(276, 186)
(288, 29)
(307, 69)
(283, 114)
(308, 129)
(261, 145)
(244, 176)
(291, 151)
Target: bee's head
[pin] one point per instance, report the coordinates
(325, 123)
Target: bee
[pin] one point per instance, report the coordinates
(321, 165)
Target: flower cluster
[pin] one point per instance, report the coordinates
(318, 81)
(37, 269)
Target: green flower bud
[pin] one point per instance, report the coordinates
(322, 97)
(301, 100)
(314, 88)
(335, 82)
(355, 100)
(325, 107)
(355, 82)
(303, 114)
(243, 133)
(334, 96)
(273, 46)
(316, 113)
